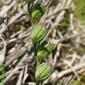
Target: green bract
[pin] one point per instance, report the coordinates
(36, 13)
(38, 33)
(44, 50)
(43, 71)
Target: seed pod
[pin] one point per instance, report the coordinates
(38, 33)
(36, 13)
(49, 47)
(43, 71)
(44, 51)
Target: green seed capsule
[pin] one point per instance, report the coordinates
(36, 13)
(44, 51)
(43, 71)
(49, 47)
(38, 33)
(42, 54)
